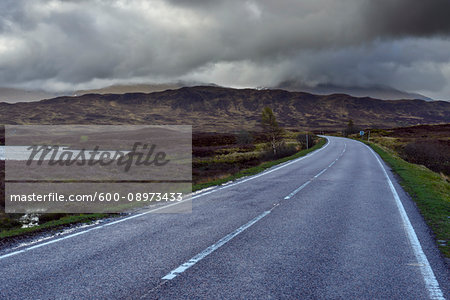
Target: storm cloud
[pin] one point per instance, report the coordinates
(68, 45)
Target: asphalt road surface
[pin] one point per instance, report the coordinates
(332, 225)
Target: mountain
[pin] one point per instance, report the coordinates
(131, 88)
(376, 91)
(141, 88)
(224, 109)
(12, 95)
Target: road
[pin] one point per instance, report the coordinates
(327, 226)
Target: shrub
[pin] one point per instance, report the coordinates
(434, 154)
(212, 139)
(244, 138)
(282, 151)
(7, 222)
(306, 140)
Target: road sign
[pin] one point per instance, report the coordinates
(361, 133)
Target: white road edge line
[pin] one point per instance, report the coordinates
(162, 207)
(183, 267)
(87, 230)
(431, 283)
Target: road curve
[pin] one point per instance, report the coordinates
(327, 226)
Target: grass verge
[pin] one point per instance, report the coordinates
(55, 224)
(258, 169)
(428, 189)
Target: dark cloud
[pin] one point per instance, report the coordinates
(75, 44)
(408, 17)
(384, 63)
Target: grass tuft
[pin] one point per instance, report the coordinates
(54, 224)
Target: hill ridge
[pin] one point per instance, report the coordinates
(218, 108)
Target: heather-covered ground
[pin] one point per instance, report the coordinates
(427, 145)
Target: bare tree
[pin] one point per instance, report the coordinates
(271, 129)
(350, 129)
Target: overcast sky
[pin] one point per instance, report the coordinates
(75, 44)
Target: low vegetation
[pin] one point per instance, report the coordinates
(219, 169)
(57, 223)
(427, 145)
(218, 158)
